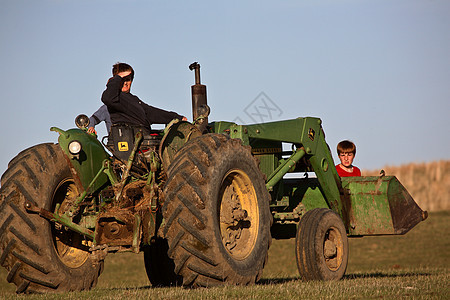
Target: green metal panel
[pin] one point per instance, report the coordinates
(323, 165)
(369, 213)
(220, 127)
(380, 205)
(289, 131)
(267, 163)
(268, 154)
(90, 159)
(303, 192)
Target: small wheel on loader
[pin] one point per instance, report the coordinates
(321, 246)
(39, 255)
(216, 211)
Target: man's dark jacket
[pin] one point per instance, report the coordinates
(128, 108)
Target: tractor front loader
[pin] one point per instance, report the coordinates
(201, 200)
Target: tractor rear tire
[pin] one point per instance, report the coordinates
(159, 266)
(321, 246)
(39, 255)
(216, 212)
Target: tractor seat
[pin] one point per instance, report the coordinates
(121, 139)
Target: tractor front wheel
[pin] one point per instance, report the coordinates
(321, 246)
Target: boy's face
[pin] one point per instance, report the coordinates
(346, 158)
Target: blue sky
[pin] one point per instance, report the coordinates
(375, 72)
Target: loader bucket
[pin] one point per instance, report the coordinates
(379, 206)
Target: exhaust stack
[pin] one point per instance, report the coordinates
(200, 108)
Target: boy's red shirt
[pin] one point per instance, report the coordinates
(343, 173)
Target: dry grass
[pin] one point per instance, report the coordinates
(428, 183)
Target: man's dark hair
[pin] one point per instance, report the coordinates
(122, 67)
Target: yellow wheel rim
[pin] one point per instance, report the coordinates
(333, 249)
(238, 214)
(71, 247)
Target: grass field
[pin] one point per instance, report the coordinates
(416, 265)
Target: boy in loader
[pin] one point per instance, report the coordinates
(346, 152)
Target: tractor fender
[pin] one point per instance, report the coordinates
(176, 134)
(87, 163)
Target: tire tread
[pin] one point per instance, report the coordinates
(306, 254)
(183, 210)
(25, 251)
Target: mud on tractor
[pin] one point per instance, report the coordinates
(201, 200)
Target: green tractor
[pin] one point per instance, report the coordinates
(201, 200)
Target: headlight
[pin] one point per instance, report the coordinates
(82, 121)
(74, 147)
